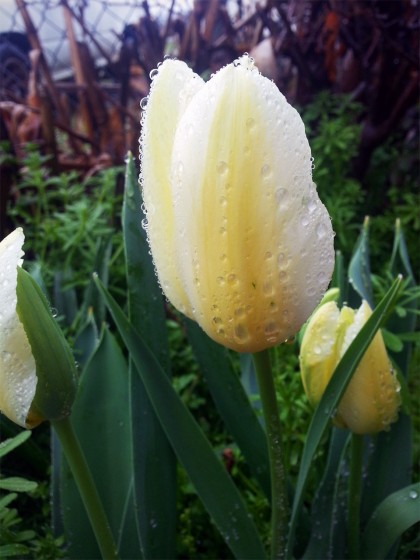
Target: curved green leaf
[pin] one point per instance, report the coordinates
(17, 484)
(100, 418)
(210, 479)
(9, 444)
(332, 395)
(325, 506)
(359, 268)
(153, 458)
(232, 403)
(397, 513)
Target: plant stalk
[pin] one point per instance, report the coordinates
(87, 488)
(355, 489)
(279, 501)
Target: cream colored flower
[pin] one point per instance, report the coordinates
(240, 239)
(371, 400)
(38, 377)
(17, 365)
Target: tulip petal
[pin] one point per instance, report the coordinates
(171, 91)
(17, 365)
(318, 354)
(371, 401)
(253, 242)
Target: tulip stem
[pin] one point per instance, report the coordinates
(279, 502)
(86, 485)
(355, 488)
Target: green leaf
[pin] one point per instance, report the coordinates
(324, 541)
(331, 397)
(155, 463)
(397, 443)
(100, 419)
(55, 367)
(10, 550)
(87, 341)
(210, 479)
(232, 403)
(17, 484)
(6, 500)
(359, 268)
(394, 515)
(8, 445)
(65, 299)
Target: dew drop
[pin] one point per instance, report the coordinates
(413, 495)
(143, 103)
(221, 281)
(6, 355)
(222, 167)
(268, 288)
(281, 258)
(265, 171)
(304, 220)
(250, 123)
(153, 73)
(241, 333)
(321, 277)
(232, 279)
(321, 230)
(280, 195)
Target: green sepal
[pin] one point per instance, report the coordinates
(55, 366)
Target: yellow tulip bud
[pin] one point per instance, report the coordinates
(37, 371)
(371, 400)
(240, 239)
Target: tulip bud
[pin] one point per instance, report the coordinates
(371, 400)
(37, 371)
(239, 237)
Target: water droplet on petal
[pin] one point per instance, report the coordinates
(153, 73)
(321, 230)
(265, 171)
(222, 167)
(143, 103)
(413, 495)
(280, 195)
(250, 123)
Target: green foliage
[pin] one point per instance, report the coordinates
(15, 540)
(333, 134)
(64, 217)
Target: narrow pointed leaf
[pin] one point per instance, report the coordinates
(17, 484)
(154, 483)
(210, 479)
(232, 403)
(332, 395)
(325, 507)
(9, 444)
(100, 419)
(359, 269)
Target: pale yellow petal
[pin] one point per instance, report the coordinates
(253, 241)
(318, 353)
(372, 398)
(171, 91)
(17, 365)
